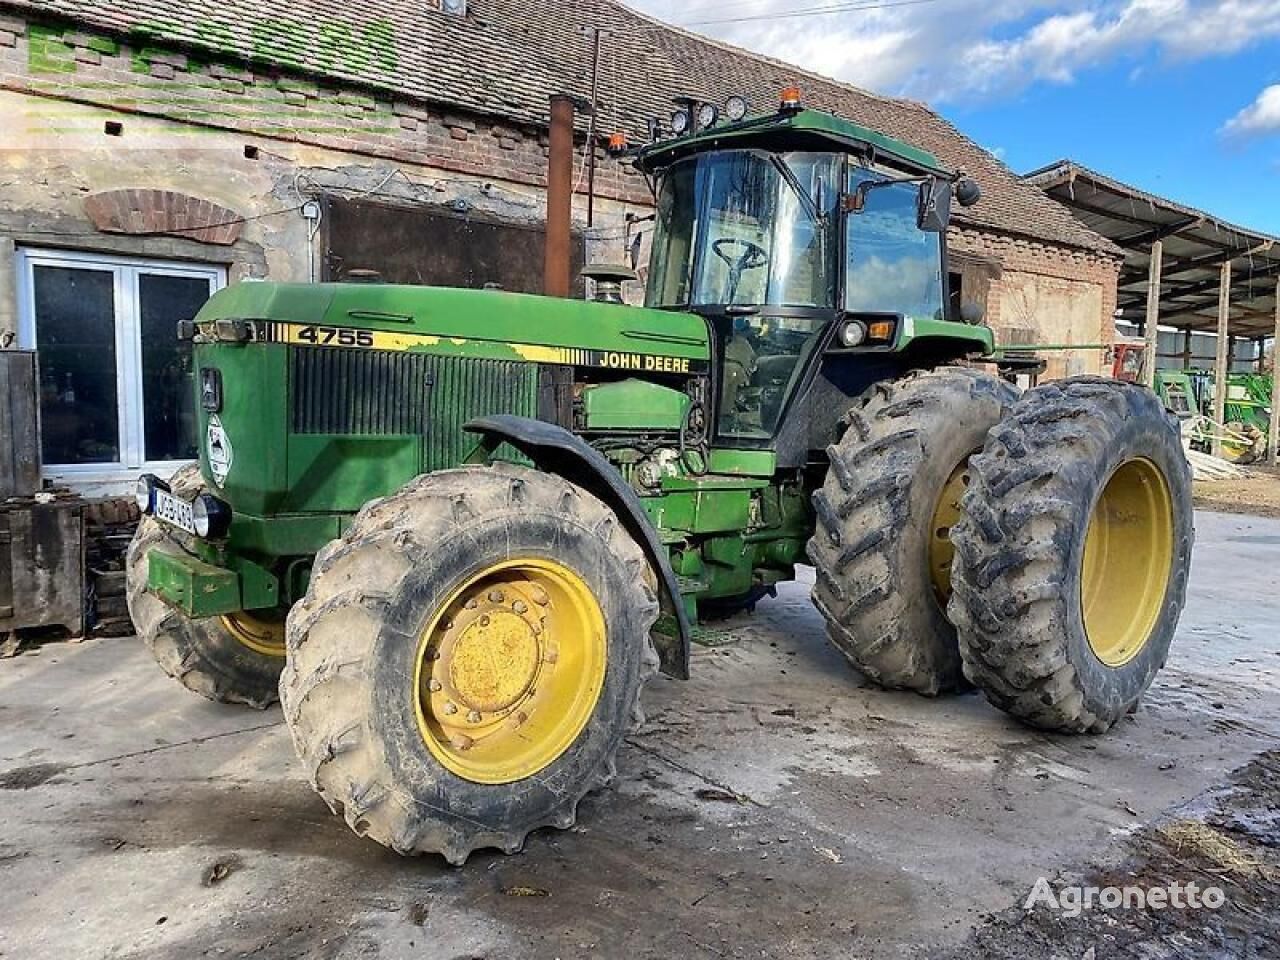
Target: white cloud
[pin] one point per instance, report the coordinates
(1260, 118)
(957, 50)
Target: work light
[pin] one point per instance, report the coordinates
(852, 333)
(142, 491)
(735, 108)
(210, 516)
(708, 114)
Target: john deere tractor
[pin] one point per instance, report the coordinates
(455, 531)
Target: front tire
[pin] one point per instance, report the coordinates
(232, 659)
(881, 545)
(468, 659)
(1073, 553)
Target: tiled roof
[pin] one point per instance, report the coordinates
(506, 57)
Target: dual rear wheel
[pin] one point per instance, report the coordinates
(1034, 546)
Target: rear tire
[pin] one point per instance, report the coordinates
(1072, 555)
(227, 660)
(882, 516)
(391, 607)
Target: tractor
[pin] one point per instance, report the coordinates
(455, 531)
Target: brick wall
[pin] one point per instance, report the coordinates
(1033, 292)
(84, 68)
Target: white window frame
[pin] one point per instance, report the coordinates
(128, 329)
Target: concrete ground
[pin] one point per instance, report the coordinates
(773, 806)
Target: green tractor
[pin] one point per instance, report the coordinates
(455, 531)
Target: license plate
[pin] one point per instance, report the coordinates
(174, 511)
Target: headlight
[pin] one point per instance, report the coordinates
(853, 333)
(142, 491)
(210, 516)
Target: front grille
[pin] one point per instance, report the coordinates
(379, 393)
(360, 392)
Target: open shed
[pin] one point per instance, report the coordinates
(1183, 268)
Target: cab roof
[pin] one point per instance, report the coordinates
(791, 130)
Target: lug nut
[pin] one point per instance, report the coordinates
(484, 620)
(473, 716)
(539, 595)
(520, 607)
(471, 603)
(496, 596)
(433, 685)
(450, 707)
(461, 741)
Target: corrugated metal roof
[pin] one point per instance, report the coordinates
(1196, 244)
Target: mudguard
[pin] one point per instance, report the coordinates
(555, 450)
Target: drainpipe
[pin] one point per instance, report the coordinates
(555, 274)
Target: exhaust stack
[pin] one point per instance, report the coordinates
(556, 268)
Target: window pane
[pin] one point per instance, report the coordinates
(168, 396)
(894, 266)
(75, 333)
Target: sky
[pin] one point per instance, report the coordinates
(1178, 97)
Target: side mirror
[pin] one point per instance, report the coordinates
(967, 192)
(934, 211)
(971, 313)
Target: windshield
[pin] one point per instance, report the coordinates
(893, 265)
(748, 228)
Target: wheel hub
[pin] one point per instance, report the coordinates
(262, 635)
(493, 660)
(510, 670)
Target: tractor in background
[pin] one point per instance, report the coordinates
(455, 531)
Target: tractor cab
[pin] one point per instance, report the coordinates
(794, 235)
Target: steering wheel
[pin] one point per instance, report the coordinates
(753, 255)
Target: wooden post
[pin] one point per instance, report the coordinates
(1273, 428)
(1152, 323)
(1220, 358)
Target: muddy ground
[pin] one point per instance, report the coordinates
(1256, 494)
(773, 807)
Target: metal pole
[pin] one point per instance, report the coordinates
(555, 273)
(1220, 358)
(1153, 313)
(591, 128)
(1273, 427)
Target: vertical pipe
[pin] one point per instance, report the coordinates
(555, 273)
(1153, 313)
(1273, 427)
(591, 133)
(1220, 358)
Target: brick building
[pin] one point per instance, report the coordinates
(154, 151)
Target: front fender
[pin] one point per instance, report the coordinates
(555, 450)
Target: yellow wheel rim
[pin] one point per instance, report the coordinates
(945, 515)
(260, 634)
(509, 670)
(1128, 557)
